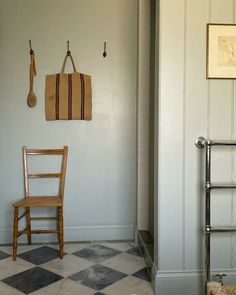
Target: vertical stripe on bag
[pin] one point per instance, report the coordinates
(69, 97)
(57, 96)
(82, 96)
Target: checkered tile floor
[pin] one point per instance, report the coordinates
(105, 268)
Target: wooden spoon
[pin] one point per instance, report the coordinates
(32, 99)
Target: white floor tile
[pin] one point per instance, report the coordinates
(64, 287)
(120, 246)
(6, 249)
(67, 266)
(9, 267)
(126, 263)
(71, 248)
(7, 290)
(20, 248)
(129, 286)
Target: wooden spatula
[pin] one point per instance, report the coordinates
(32, 99)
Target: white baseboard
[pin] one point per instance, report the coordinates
(186, 282)
(78, 233)
(179, 283)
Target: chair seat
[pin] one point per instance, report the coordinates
(39, 202)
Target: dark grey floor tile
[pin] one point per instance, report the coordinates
(135, 251)
(32, 280)
(97, 253)
(143, 274)
(40, 255)
(3, 255)
(97, 277)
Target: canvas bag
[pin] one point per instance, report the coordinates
(68, 96)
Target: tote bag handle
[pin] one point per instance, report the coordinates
(64, 64)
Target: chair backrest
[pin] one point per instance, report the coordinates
(45, 152)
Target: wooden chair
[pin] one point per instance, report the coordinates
(40, 201)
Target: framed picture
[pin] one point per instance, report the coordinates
(221, 51)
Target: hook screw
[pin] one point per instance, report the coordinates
(31, 50)
(68, 48)
(105, 48)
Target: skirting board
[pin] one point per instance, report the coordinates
(186, 282)
(78, 233)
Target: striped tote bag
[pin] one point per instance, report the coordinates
(68, 96)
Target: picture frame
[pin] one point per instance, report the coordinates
(221, 51)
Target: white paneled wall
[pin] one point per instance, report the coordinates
(221, 125)
(171, 136)
(189, 106)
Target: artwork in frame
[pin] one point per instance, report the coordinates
(221, 51)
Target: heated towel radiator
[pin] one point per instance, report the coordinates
(201, 142)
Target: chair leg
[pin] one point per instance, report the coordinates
(28, 225)
(15, 232)
(60, 231)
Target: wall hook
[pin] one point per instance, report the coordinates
(31, 50)
(68, 48)
(105, 49)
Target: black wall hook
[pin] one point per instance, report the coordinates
(68, 48)
(105, 49)
(31, 50)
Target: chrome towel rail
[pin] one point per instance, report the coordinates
(202, 142)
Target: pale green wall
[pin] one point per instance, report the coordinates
(100, 195)
(191, 106)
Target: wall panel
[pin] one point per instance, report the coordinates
(220, 127)
(170, 211)
(195, 125)
(191, 106)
